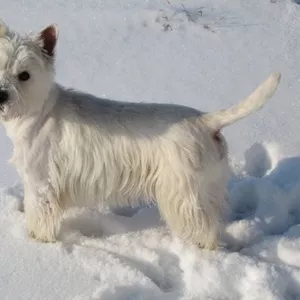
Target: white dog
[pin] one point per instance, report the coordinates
(72, 148)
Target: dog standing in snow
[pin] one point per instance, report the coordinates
(73, 149)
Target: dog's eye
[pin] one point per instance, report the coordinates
(24, 76)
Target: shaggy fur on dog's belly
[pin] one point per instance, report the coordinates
(116, 153)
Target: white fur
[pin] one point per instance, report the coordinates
(72, 148)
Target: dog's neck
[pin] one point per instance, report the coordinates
(23, 126)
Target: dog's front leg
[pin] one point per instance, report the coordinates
(43, 213)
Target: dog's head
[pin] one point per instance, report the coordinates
(26, 70)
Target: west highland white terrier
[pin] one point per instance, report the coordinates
(74, 149)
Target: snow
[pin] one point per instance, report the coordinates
(205, 54)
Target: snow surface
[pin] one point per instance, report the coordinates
(201, 53)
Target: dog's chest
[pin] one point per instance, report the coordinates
(24, 148)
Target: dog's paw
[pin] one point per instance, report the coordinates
(43, 219)
(43, 229)
(212, 247)
(42, 238)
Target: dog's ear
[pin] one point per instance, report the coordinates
(47, 39)
(2, 30)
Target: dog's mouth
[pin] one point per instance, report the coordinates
(2, 105)
(4, 96)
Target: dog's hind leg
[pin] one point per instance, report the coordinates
(191, 215)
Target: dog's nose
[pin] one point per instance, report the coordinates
(3, 96)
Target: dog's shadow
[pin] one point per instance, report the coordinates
(94, 223)
(100, 231)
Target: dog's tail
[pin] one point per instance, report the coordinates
(254, 102)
